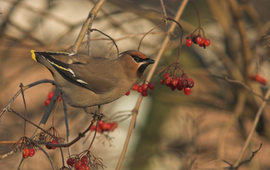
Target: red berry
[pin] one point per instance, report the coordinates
(54, 142)
(99, 129)
(190, 83)
(168, 80)
(84, 160)
(202, 42)
(144, 93)
(47, 102)
(100, 123)
(105, 126)
(187, 91)
(32, 152)
(93, 128)
(82, 167)
(172, 87)
(77, 165)
(188, 42)
(167, 75)
(179, 87)
(25, 153)
(128, 93)
(87, 168)
(59, 98)
(162, 81)
(139, 89)
(260, 79)
(174, 82)
(144, 86)
(151, 85)
(183, 82)
(135, 87)
(50, 95)
(206, 42)
(48, 147)
(71, 161)
(199, 40)
(114, 125)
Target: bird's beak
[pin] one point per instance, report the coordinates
(149, 61)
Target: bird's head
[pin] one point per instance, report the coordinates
(136, 61)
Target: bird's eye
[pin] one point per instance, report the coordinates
(136, 58)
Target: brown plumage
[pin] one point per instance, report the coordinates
(90, 81)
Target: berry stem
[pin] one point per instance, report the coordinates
(25, 110)
(203, 34)
(163, 20)
(89, 149)
(33, 123)
(109, 38)
(182, 33)
(197, 12)
(165, 14)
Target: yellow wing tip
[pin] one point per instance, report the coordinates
(33, 55)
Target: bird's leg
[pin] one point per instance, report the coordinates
(100, 114)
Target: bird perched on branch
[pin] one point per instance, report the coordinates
(89, 81)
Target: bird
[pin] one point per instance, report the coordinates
(87, 81)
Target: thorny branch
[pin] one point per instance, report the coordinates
(241, 163)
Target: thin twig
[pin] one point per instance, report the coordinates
(241, 163)
(197, 11)
(181, 39)
(255, 122)
(45, 117)
(89, 33)
(27, 120)
(47, 156)
(165, 16)
(109, 38)
(80, 135)
(242, 84)
(149, 32)
(247, 53)
(122, 38)
(25, 110)
(66, 122)
(92, 15)
(238, 110)
(7, 108)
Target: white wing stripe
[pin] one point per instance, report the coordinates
(73, 74)
(81, 81)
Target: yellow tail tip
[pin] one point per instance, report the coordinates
(33, 55)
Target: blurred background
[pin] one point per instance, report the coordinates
(173, 131)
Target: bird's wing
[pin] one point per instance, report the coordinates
(79, 71)
(98, 72)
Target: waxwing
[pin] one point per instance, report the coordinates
(89, 81)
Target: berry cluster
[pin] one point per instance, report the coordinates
(197, 39)
(79, 164)
(143, 88)
(28, 152)
(49, 98)
(104, 126)
(52, 142)
(52, 137)
(259, 78)
(179, 82)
